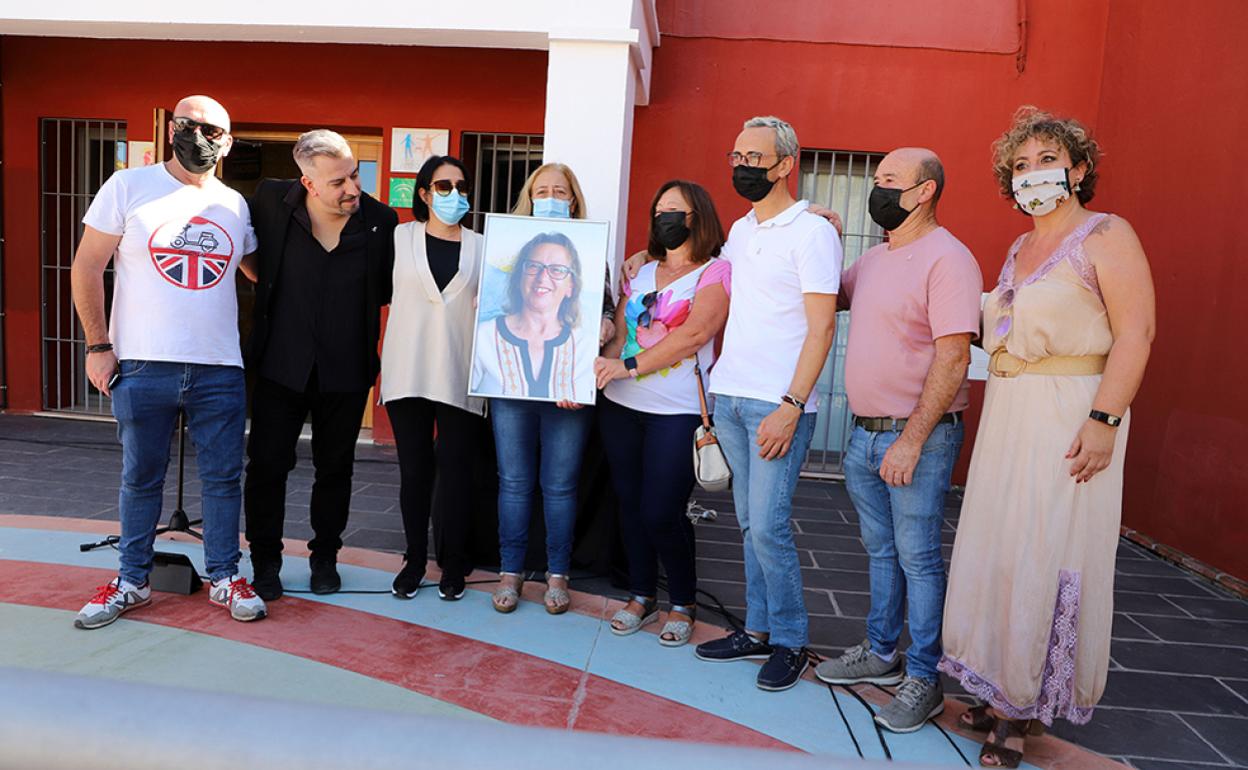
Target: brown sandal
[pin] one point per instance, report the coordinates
(1002, 731)
(978, 718)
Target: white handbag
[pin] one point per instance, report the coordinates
(710, 467)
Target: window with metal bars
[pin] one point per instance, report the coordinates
(76, 157)
(840, 181)
(497, 166)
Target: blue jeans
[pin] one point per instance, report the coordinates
(762, 492)
(901, 530)
(146, 403)
(537, 442)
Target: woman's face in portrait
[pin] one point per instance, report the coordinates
(547, 278)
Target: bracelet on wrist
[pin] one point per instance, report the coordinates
(792, 400)
(102, 347)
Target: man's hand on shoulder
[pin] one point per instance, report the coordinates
(828, 214)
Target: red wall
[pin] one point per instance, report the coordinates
(1161, 88)
(1174, 112)
(367, 88)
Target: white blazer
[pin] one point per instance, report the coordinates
(427, 349)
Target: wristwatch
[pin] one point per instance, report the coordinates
(791, 399)
(630, 364)
(1109, 419)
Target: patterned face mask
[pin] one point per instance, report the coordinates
(1038, 192)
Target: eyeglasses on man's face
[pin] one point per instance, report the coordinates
(188, 125)
(556, 272)
(753, 159)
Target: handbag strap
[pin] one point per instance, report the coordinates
(697, 373)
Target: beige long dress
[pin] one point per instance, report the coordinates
(1030, 602)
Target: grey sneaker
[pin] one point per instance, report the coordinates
(861, 666)
(110, 601)
(236, 595)
(916, 701)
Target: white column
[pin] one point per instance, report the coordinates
(590, 91)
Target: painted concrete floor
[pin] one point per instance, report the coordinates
(1177, 694)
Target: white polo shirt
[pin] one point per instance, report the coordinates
(773, 265)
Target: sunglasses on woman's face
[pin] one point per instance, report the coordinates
(444, 187)
(188, 125)
(556, 272)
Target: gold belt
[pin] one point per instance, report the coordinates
(1004, 364)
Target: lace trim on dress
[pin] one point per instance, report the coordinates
(1070, 249)
(1057, 687)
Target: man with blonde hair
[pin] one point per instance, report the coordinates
(322, 274)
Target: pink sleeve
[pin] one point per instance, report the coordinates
(719, 271)
(953, 295)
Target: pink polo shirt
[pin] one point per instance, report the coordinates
(900, 302)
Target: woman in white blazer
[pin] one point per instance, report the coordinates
(426, 359)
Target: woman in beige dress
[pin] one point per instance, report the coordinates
(1069, 326)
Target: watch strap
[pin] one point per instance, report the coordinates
(1112, 420)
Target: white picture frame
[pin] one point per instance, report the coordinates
(512, 300)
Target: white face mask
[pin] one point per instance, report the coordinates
(1038, 192)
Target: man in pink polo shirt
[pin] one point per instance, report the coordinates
(914, 306)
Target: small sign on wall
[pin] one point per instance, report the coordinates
(402, 191)
(411, 147)
(142, 154)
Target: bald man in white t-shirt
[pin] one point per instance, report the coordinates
(176, 235)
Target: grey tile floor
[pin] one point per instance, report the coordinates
(1177, 695)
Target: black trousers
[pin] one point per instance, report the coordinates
(651, 458)
(446, 456)
(277, 417)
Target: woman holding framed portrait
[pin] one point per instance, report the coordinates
(534, 359)
(667, 322)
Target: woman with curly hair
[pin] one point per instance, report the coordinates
(1069, 327)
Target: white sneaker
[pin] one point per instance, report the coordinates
(110, 601)
(235, 594)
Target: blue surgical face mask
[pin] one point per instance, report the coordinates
(556, 208)
(449, 208)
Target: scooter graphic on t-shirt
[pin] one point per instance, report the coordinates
(206, 242)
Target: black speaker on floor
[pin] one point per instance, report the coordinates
(174, 573)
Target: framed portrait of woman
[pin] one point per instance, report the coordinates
(539, 308)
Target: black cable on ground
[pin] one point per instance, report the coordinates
(844, 719)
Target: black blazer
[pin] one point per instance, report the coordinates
(271, 212)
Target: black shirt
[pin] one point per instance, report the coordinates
(443, 259)
(319, 308)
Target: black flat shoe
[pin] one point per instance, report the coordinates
(451, 588)
(407, 583)
(325, 579)
(267, 580)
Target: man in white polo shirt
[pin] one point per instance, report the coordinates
(786, 265)
(176, 236)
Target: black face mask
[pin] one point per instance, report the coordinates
(751, 182)
(884, 205)
(196, 154)
(670, 229)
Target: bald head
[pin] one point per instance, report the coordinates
(203, 109)
(913, 165)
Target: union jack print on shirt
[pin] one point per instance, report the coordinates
(191, 254)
